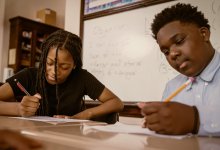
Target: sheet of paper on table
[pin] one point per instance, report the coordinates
(128, 128)
(51, 120)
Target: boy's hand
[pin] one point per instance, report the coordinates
(168, 118)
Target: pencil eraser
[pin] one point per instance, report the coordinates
(192, 79)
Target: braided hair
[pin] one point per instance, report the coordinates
(185, 13)
(60, 39)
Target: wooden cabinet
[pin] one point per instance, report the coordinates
(26, 37)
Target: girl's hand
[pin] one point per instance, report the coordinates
(81, 115)
(86, 114)
(29, 105)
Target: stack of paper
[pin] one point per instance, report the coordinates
(127, 128)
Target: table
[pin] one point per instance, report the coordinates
(78, 136)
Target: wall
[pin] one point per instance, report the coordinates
(2, 9)
(28, 9)
(72, 16)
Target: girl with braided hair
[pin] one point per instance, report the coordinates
(58, 86)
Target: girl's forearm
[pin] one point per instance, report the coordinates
(9, 108)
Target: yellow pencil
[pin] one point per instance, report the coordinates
(169, 98)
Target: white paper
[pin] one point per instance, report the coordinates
(51, 120)
(135, 129)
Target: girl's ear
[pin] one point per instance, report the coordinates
(205, 33)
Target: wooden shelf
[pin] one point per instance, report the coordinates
(25, 63)
(26, 37)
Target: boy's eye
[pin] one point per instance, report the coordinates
(165, 51)
(179, 41)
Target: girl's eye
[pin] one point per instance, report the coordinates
(64, 67)
(49, 63)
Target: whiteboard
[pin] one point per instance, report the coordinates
(120, 51)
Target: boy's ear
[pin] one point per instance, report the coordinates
(205, 33)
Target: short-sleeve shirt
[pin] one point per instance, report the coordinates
(79, 83)
(204, 93)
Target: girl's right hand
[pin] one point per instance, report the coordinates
(29, 105)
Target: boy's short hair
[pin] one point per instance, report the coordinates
(184, 13)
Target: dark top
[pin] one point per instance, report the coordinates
(71, 92)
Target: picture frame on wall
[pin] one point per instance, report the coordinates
(93, 6)
(97, 8)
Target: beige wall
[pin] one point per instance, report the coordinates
(68, 18)
(72, 16)
(28, 9)
(2, 8)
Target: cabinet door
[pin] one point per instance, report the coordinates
(26, 48)
(40, 37)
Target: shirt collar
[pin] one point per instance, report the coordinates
(209, 72)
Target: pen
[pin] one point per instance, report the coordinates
(22, 88)
(168, 99)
